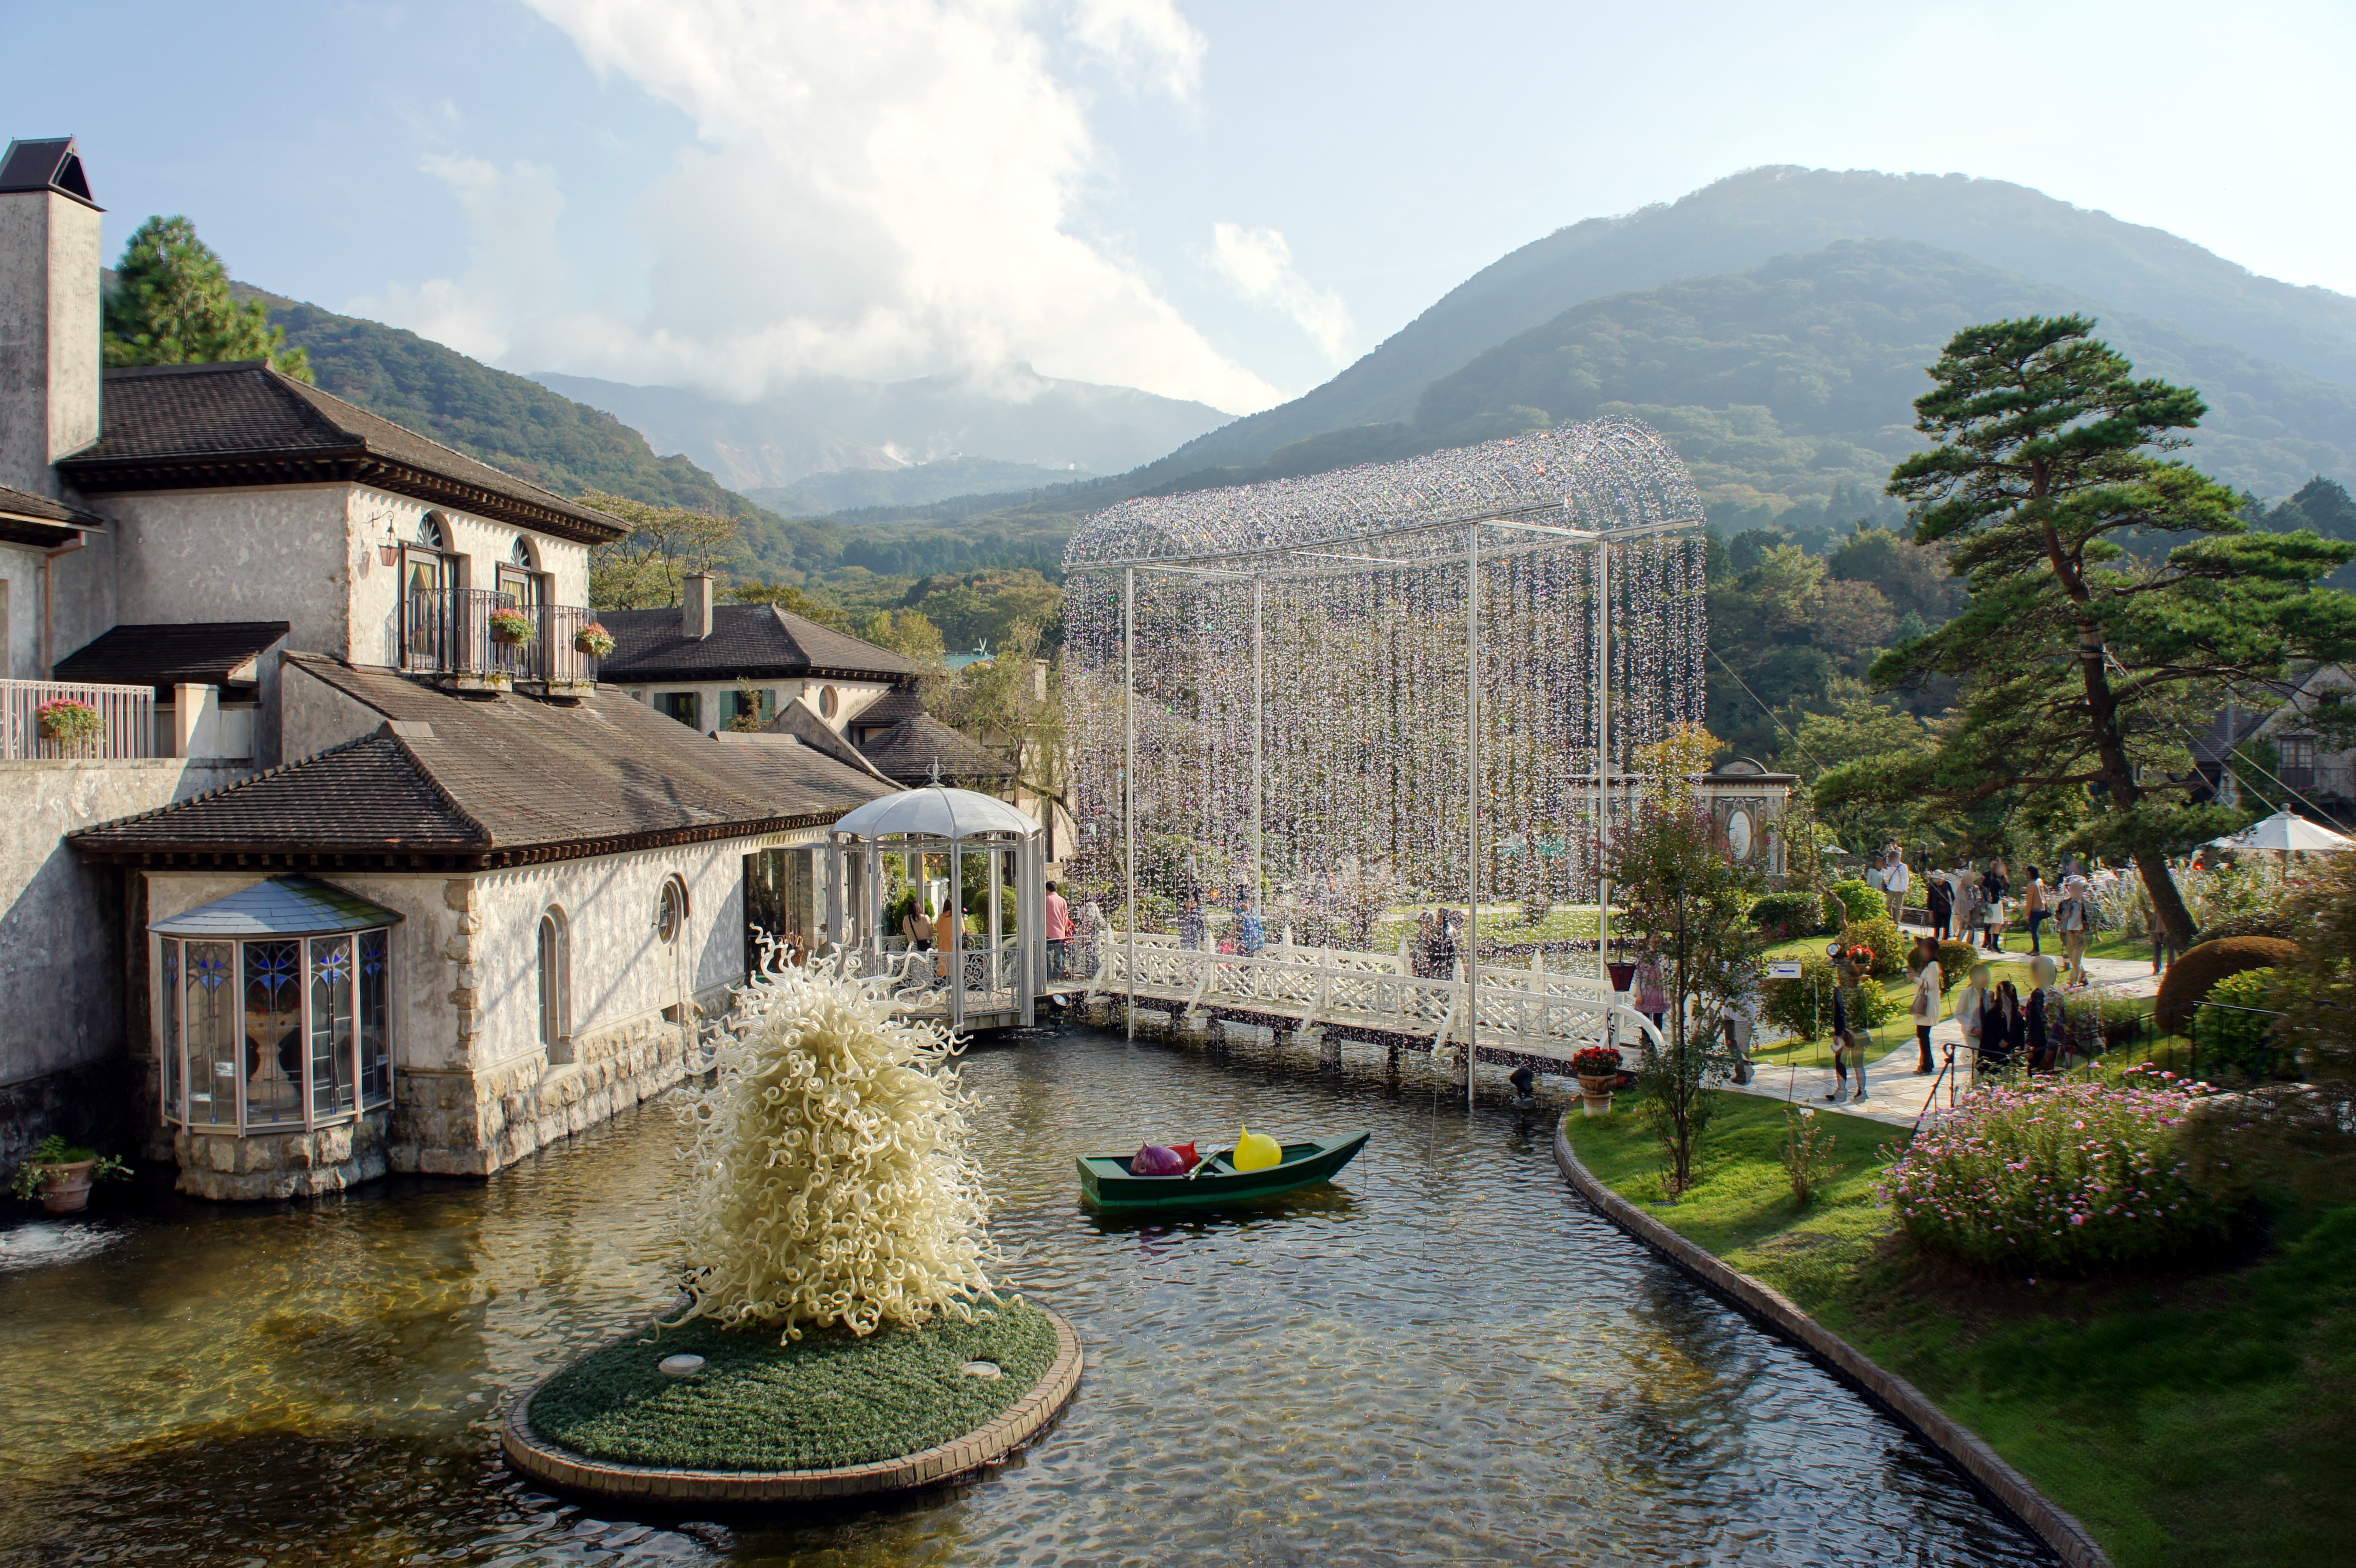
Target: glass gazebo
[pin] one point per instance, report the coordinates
(274, 1008)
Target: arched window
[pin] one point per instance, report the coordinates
(431, 533)
(555, 986)
(521, 554)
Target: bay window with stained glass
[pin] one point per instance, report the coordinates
(273, 1012)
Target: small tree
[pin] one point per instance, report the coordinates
(1683, 891)
(172, 306)
(2085, 667)
(643, 570)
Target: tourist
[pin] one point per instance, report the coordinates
(1419, 959)
(1994, 885)
(1443, 945)
(1876, 876)
(1849, 1036)
(2032, 906)
(1929, 988)
(1741, 1022)
(1652, 997)
(1970, 1002)
(2004, 1029)
(2074, 919)
(2042, 1035)
(1967, 903)
(1059, 933)
(1939, 896)
(917, 927)
(1251, 937)
(1896, 881)
(1193, 930)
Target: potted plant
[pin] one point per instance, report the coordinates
(512, 626)
(1598, 1070)
(60, 1175)
(66, 720)
(595, 640)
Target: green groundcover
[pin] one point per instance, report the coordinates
(826, 1399)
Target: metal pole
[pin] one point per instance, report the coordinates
(1472, 805)
(997, 943)
(1129, 778)
(954, 911)
(1602, 754)
(1258, 779)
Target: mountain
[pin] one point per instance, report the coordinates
(521, 427)
(844, 489)
(819, 424)
(1748, 219)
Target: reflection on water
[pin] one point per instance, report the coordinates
(1444, 1359)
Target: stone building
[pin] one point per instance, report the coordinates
(363, 869)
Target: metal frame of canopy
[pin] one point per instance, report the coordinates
(1608, 484)
(937, 819)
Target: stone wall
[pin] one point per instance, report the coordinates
(63, 1006)
(267, 1167)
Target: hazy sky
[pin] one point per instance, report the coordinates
(1224, 199)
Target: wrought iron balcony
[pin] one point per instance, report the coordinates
(451, 632)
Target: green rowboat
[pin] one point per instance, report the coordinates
(1106, 1183)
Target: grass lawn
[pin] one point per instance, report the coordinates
(824, 1401)
(2195, 1422)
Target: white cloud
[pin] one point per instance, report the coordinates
(512, 265)
(877, 188)
(1257, 265)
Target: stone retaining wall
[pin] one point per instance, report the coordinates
(1765, 1304)
(264, 1166)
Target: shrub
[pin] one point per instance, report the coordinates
(2090, 1025)
(1804, 1006)
(1808, 1154)
(1889, 943)
(2276, 923)
(833, 1179)
(1956, 961)
(1860, 899)
(2060, 1179)
(1799, 914)
(2189, 978)
(2235, 1026)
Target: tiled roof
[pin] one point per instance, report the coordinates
(754, 640)
(899, 703)
(28, 519)
(506, 781)
(796, 719)
(242, 423)
(195, 652)
(908, 751)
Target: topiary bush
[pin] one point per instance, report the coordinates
(2189, 979)
(1804, 1006)
(1795, 914)
(2272, 923)
(1890, 944)
(1955, 961)
(2060, 1179)
(2235, 1026)
(1861, 899)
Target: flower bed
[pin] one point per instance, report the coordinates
(2068, 1178)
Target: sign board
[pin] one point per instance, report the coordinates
(1784, 969)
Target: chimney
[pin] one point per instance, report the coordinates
(695, 606)
(49, 312)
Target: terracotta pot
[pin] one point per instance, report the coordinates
(65, 1189)
(510, 638)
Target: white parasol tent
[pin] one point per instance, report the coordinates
(2287, 834)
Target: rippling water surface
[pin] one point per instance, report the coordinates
(1444, 1359)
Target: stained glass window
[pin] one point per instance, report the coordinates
(210, 1018)
(333, 1063)
(174, 1061)
(273, 1032)
(376, 1018)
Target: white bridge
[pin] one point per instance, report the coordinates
(1526, 1016)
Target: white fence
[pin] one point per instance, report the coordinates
(127, 720)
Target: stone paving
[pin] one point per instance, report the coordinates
(1896, 1094)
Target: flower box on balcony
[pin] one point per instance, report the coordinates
(513, 627)
(67, 721)
(594, 641)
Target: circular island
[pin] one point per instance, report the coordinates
(828, 1415)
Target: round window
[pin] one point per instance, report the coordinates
(667, 913)
(829, 702)
(1738, 836)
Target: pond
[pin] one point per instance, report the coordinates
(1444, 1359)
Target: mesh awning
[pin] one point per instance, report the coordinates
(938, 813)
(281, 906)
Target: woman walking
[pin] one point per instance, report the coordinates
(1929, 988)
(1994, 885)
(2074, 919)
(2032, 906)
(1939, 893)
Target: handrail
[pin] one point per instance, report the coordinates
(127, 720)
(449, 631)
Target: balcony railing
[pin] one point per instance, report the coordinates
(448, 631)
(127, 720)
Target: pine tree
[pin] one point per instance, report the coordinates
(2085, 670)
(173, 307)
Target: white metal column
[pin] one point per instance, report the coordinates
(1472, 806)
(954, 912)
(1259, 779)
(1129, 778)
(1602, 754)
